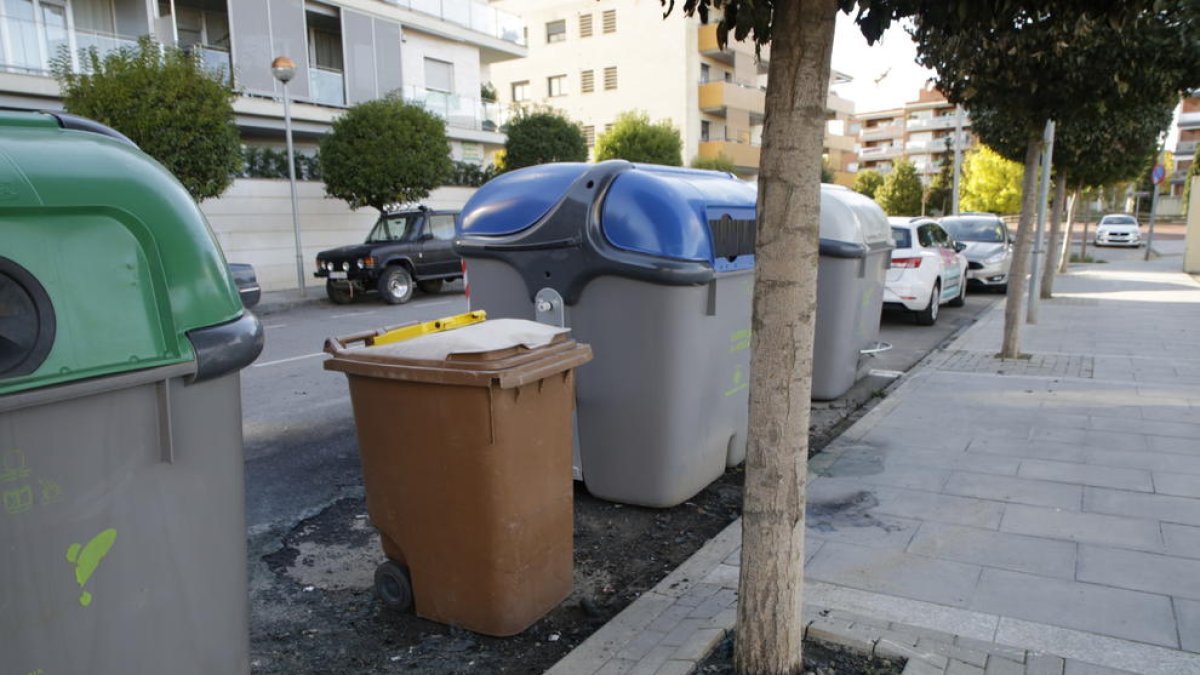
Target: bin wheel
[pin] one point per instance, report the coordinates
(928, 316)
(430, 286)
(339, 295)
(393, 585)
(396, 285)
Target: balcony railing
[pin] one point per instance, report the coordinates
(460, 112)
(215, 60)
(943, 122)
(478, 16)
(879, 152)
(327, 87)
(1185, 148)
(881, 132)
(1189, 120)
(32, 47)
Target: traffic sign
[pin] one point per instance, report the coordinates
(1158, 173)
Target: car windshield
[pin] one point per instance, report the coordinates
(903, 237)
(1118, 220)
(394, 228)
(975, 230)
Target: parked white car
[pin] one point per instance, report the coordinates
(928, 269)
(1118, 229)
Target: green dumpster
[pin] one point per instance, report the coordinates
(122, 527)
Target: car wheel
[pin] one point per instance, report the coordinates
(339, 294)
(431, 286)
(960, 299)
(396, 286)
(928, 316)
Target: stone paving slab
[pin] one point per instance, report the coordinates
(1039, 518)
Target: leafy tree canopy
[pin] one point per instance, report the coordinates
(385, 152)
(635, 138)
(542, 136)
(165, 101)
(867, 182)
(990, 182)
(900, 194)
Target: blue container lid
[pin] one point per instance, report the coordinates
(665, 212)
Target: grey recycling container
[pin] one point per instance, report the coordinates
(122, 532)
(654, 267)
(855, 252)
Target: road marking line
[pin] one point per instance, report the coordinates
(348, 314)
(279, 361)
(275, 325)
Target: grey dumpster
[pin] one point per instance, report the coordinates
(121, 337)
(652, 266)
(856, 244)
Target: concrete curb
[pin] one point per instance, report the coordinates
(276, 302)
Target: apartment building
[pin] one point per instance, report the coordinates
(346, 52)
(1185, 147)
(594, 59)
(921, 131)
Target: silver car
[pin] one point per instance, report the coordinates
(1118, 229)
(989, 248)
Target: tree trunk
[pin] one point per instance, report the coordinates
(1049, 266)
(1011, 347)
(1064, 256)
(769, 625)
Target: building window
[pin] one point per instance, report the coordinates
(705, 73)
(610, 78)
(609, 21)
(705, 129)
(556, 31)
(520, 91)
(439, 75)
(587, 81)
(585, 25)
(589, 135)
(556, 85)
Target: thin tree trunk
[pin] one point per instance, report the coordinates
(1064, 256)
(1010, 348)
(1049, 266)
(769, 625)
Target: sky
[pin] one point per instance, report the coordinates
(893, 58)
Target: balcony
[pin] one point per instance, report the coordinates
(879, 152)
(943, 122)
(34, 45)
(1189, 120)
(881, 133)
(707, 38)
(717, 97)
(460, 112)
(477, 16)
(744, 155)
(1185, 148)
(326, 86)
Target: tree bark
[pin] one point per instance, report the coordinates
(1064, 256)
(769, 625)
(1010, 348)
(1050, 267)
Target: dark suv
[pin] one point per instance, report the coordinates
(404, 247)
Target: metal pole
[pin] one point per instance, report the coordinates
(958, 142)
(1153, 214)
(1043, 194)
(287, 123)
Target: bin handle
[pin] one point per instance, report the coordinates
(400, 332)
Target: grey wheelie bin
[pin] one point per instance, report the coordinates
(856, 245)
(122, 533)
(652, 266)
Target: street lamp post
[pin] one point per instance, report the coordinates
(283, 68)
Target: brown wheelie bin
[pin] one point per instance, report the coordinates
(466, 460)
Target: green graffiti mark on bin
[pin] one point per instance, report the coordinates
(87, 558)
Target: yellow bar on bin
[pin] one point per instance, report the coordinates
(436, 326)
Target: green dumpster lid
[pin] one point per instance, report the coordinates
(107, 262)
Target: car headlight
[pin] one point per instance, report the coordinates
(346, 266)
(995, 258)
(359, 262)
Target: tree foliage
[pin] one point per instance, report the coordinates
(990, 182)
(635, 138)
(165, 101)
(867, 182)
(540, 137)
(385, 152)
(940, 191)
(719, 163)
(900, 194)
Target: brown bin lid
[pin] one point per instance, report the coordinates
(509, 367)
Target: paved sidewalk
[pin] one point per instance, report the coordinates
(1050, 504)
